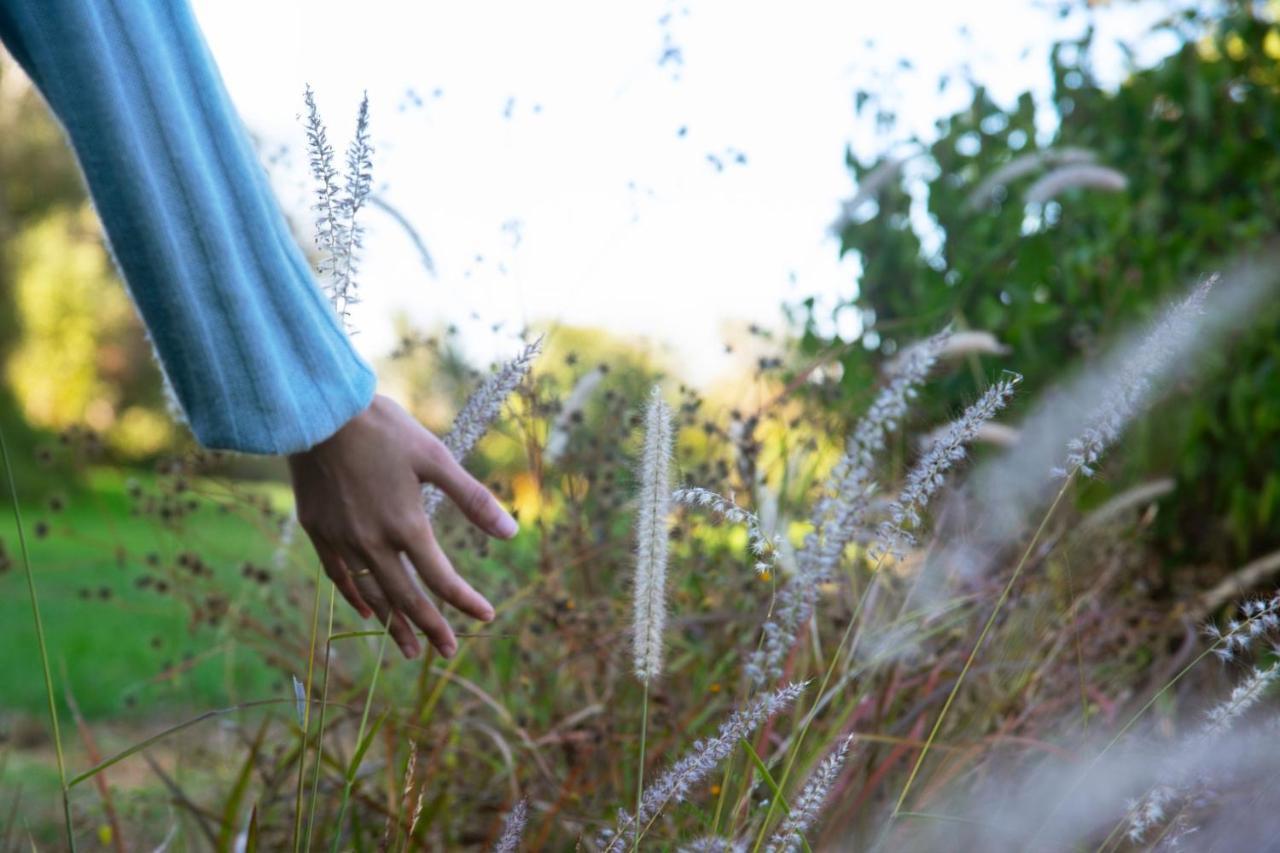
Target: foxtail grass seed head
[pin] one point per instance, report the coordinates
(513, 828)
(1021, 166)
(558, 436)
(1149, 811)
(813, 796)
(1130, 392)
(479, 412)
(1076, 176)
(762, 547)
(1258, 617)
(841, 506)
(714, 844)
(697, 764)
(869, 188)
(848, 487)
(653, 526)
(1245, 695)
(924, 480)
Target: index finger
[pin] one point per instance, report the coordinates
(476, 502)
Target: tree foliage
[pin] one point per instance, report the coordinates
(1195, 138)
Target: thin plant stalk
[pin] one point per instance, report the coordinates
(644, 731)
(145, 743)
(44, 651)
(1155, 697)
(306, 714)
(728, 765)
(364, 720)
(826, 679)
(986, 629)
(324, 704)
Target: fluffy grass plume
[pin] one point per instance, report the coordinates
(841, 505)
(696, 765)
(653, 526)
(1131, 393)
(1021, 166)
(513, 828)
(479, 413)
(807, 806)
(927, 476)
(1076, 176)
(763, 549)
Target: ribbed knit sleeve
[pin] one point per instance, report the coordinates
(248, 341)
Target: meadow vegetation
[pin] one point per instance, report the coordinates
(901, 596)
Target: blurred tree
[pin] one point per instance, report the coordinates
(73, 351)
(1052, 266)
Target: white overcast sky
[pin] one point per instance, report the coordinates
(544, 166)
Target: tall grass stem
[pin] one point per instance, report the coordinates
(644, 732)
(306, 714)
(986, 629)
(324, 704)
(44, 651)
(364, 722)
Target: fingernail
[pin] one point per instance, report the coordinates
(448, 649)
(506, 526)
(410, 650)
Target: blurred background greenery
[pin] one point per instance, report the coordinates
(1196, 136)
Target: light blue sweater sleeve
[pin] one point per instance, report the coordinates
(248, 341)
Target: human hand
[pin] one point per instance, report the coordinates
(359, 499)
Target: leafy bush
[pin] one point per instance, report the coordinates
(1194, 141)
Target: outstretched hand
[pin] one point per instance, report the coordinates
(359, 499)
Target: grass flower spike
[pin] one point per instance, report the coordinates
(763, 548)
(676, 783)
(806, 808)
(479, 412)
(652, 529)
(841, 506)
(928, 474)
(1131, 391)
(513, 828)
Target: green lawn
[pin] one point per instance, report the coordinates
(128, 650)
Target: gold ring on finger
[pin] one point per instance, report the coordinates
(361, 573)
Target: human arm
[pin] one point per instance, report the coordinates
(247, 340)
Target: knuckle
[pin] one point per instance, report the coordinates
(364, 539)
(453, 589)
(435, 451)
(475, 500)
(412, 527)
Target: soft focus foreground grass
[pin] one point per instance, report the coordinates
(127, 651)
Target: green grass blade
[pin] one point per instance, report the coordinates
(773, 786)
(44, 651)
(231, 810)
(362, 744)
(159, 736)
